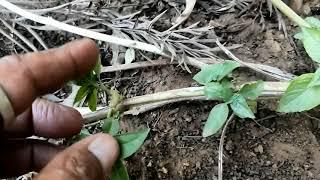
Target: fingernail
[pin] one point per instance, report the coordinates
(102, 151)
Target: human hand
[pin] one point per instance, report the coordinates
(28, 76)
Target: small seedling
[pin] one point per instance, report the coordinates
(129, 142)
(89, 86)
(303, 92)
(218, 87)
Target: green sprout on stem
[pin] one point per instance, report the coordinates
(218, 87)
(129, 143)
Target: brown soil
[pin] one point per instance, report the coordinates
(276, 146)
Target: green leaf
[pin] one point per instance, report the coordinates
(311, 42)
(216, 119)
(111, 126)
(240, 107)
(314, 22)
(316, 79)
(129, 56)
(86, 80)
(253, 104)
(215, 72)
(93, 99)
(81, 94)
(299, 36)
(119, 171)
(226, 83)
(83, 134)
(115, 98)
(299, 96)
(97, 67)
(131, 142)
(215, 90)
(252, 91)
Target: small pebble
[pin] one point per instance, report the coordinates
(198, 164)
(268, 163)
(258, 149)
(164, 170)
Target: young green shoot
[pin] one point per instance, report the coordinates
(302, 92)
(218, 87)
(129, 142)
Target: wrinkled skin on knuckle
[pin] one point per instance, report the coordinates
(74, 165)
(77, 165)
(11, 77)
(51, 118)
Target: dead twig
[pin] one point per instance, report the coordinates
(13, 40)
(175, 45)
(80, 31)
(19, 35)
(221, 144)
(37, 37)
(185, 14)
(140, 104)
(273, 75)
(135, 65)
(91, 124)
(138, 109)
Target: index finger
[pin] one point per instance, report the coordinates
(25, 77)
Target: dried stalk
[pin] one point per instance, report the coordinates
(185, 14)
(13, 40)
(151, 41)
(290, 13)
(186, 46)
(37, 37)
(229, 53)
(221, 143)
(200, 62)
(136, 65)
(18, 34)
(80, 31)
(151, 101)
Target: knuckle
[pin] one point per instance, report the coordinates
(17, 64)
(81, 165)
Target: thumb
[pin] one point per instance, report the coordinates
(89, 159)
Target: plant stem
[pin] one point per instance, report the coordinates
(166, 95)
(104, 88)
(290, 13)
(135, 104)
(220, 156)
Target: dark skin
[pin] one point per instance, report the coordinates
(25, 78)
